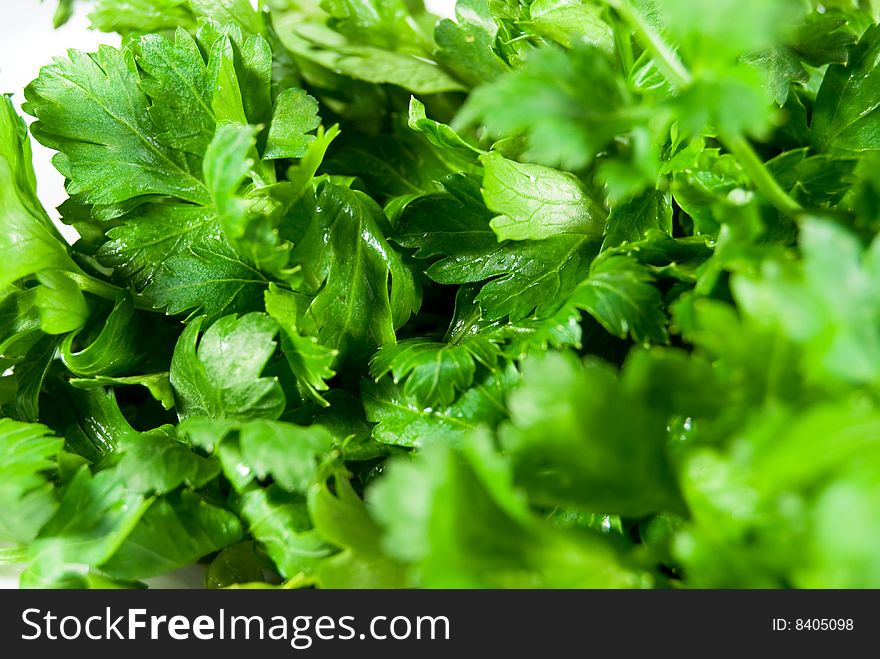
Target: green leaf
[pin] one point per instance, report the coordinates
(19, 321)
(294, 118)
(681, 259)
(779, 67)
(158, 384)
(219, 375)
(255, 79)
(561, 330)
(324, 47)
(402, 421)
(177, 79)
(741, 351)
(391, 165)
(700, 190)
(29, 455)
(804, 301)
(735, 102)
(832, 558)
(160, 243)
(440, 135)
(207, 277)
(91, 422)
(62, 13)
(456, 517)
(536, 202)
(823, 39)
(127, 16)
(152, 234)
(570, 105)
(383, 23)
(169, 249)
(26, 379)
(290, 454)
(91, 109)
(344, 520)
(368, 291)
(94, 518)
(226, 101)
(236, 564)
(227, 164)
(846, 117)
(748, 531)
(258, 448)
(280, 522)
(568, 22)
(815, 180)
(619, 293)
(633, 220)
(413, 73)
(60, 302)
(447, 223)
(310, 362)
(434, 372)
(579, 436)
(524, 276)
(28, 241)
(239, 12)
(156, 462)
(724, 30)
(176, 531)
(122, 342)
(466, 45)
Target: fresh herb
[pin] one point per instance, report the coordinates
(563, 293)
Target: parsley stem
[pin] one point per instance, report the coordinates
(678, 76)
(667, 61)
(12, 555)
(107, 291)
(623, 39)
(745, 154)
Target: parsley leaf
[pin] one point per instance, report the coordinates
(846, 116)
(207, 383)
(92, 110)
(29, 453)
(366, 289)
(535, 202)
(434, 372)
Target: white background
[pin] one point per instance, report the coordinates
(28, 42)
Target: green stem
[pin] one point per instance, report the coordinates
(623, 39)
(677, 75)
(667, 61)
(745, 154)
(13, 555)
(107, 291)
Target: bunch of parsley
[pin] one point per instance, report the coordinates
(560, 293)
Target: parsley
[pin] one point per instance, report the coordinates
(562, 293)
